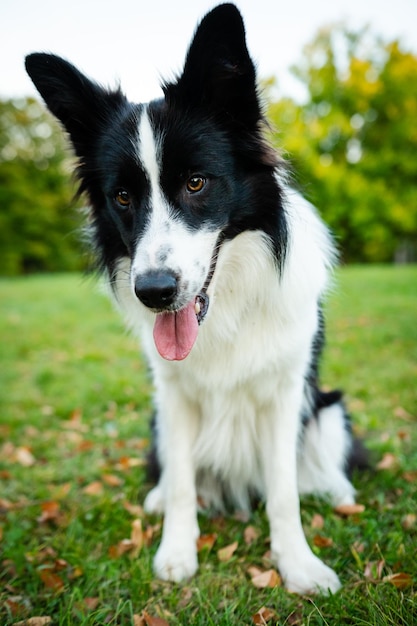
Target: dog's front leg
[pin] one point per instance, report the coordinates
(176, 558)
(300, 569)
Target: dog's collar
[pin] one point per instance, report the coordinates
(202, 300)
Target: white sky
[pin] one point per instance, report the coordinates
(138, 42)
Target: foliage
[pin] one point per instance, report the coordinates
(37, 220)
(354, 142)
(76, 547)
(352, 145)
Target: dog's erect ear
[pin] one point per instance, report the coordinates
(218, 72)
(81, 105)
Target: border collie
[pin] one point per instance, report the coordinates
(220, 268)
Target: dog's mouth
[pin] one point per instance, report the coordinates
(175, 332)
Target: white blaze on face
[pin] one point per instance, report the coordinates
(168, 244)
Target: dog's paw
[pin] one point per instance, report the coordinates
(175, 562)
(309, 576)
(154, 501)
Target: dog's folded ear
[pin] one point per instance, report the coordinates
(81, 105)
(219, 73)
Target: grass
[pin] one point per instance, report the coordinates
(75, 407)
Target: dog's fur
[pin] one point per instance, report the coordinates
(189, 203)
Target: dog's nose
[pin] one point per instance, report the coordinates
(156, 290)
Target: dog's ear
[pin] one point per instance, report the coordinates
(219, 73)
(81, 105)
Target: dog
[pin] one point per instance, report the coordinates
(220, 267)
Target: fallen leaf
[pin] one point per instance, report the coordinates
(153, 621)
(61, 491)
(75, 572)
(133, 509)
(349, 509)
(410, 477)
(261, 580)
(401, 413)
(226, 553)
(112, 480)
(35, 621)
(17, 605)
(317, 522)
(322, 542)
(51, 580)
(373, 570)
(5, 505)
(206, 542)
(186, 596)
(132, 545)
(263, 616)
(24, 456)
(387, 462)
(50, 512)
(125, 463)
(250, 535)
(399, 580)
(93, 489)
(136, 537)
(409, 521)
(91, 603)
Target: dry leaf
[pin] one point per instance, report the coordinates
(250, 535)
(51, 580)
(124, 546)
(317, 522)
(35, 621)
(322, 542)
(125, 463)
(132, 545)
(136, 537)
(349, 509)
(91, 603)
(373, 570)
(112, 480)
(94, 489)
(225, 554)
(50, 512)
(263, 616)
(133, 509)
(409, 521)
(388, 461)
(24, 456)
(269, 578)
(399, 580)
(401, 413)
(206, 542)
(153, 621)
(410, 477)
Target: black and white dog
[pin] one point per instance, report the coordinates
(221, 269)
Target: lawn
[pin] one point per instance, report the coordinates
(75, 545)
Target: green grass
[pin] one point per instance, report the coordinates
(75, 406)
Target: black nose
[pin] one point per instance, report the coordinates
(156, 290)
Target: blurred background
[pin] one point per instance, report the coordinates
(339, 81)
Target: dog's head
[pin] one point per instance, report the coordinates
(169, 181)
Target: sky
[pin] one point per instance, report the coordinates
(137, 42)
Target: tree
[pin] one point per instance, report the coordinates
(354, 142)
(37, 218)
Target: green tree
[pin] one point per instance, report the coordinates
(38, 223)
(354, 142)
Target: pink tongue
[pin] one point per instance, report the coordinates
(175, 333)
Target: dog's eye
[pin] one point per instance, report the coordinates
(122, 198)
(195, 183)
